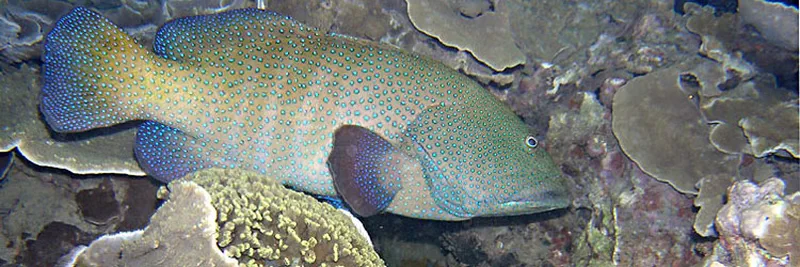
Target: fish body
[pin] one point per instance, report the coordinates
(386, 130)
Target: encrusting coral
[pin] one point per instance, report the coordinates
(758, 226)
(230, 217)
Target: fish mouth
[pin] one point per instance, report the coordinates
(544, 201)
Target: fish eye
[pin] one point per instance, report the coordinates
(531, 142)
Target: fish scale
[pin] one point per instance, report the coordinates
(326, 114)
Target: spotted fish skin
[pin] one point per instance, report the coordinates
(327, 114)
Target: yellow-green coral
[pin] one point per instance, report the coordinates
(261, 223)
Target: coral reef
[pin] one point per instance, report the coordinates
(24, 24)
(184, 8)
(712, 193)
(748, 112)
(578, 55)
(99, 205)
(758, 227)
(621, 204)
(6, 161)
(775, 21)
(365, 19)
(228, 217)
(563, 29)
(659, 126)
(481, 29)
(40, 216)
(260, 221)
(20, 31)
(754, 118)
(105, 151)
(181, 233)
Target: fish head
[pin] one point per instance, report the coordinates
(485, 161)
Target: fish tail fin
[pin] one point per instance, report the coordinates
(91, 75)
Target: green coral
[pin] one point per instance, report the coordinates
(261, 223)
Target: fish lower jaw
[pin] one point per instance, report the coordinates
(523, 208)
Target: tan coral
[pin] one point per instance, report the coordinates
(715, 32)
(487, 37)
(776, 22)
(755, 118)
(106, 152)
(234, 218)
(660, 128)
(758, 226)
(181, 233)
(709, 200)
(555, 31)
(366, 19)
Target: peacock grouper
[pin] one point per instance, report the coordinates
(327, 114)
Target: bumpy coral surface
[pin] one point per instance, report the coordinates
(261, 223)
(758, 226)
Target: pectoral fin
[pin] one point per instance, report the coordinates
(367, 169)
